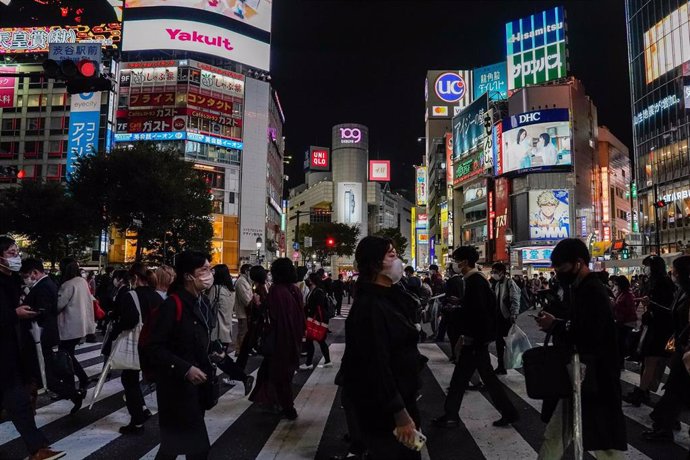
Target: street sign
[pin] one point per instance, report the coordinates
(75, 52)
(307, 241)
(295, 246)
(295, 256)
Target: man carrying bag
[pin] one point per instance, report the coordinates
(587, 329)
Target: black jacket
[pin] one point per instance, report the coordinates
(381, 364)
(43, 297)
(476, 316)
(125, 313)
(315, 299)
(658, 317)
(589, 327)
(17, 351)
(338, 288)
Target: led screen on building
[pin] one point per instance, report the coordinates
(667, 44)
(420, 185)
(536, 48)
(491, 79)
(549, 214)
(535, 141)
(28, 26)
(468, 126)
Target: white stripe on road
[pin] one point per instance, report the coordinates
(477, 414)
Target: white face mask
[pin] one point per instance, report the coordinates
(395, 271)
(13, 264)
(646, 270)
(29, 282)
(456, 268)
(204, 281)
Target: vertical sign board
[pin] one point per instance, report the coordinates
(535, 48)
(491, 79)
(7, 84)
(84, 121)
(319, 159)
(420, 186)
(502, 218)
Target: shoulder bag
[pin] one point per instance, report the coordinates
(546, 372)
(316, 328)
(125, 352)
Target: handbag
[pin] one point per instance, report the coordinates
(546, 372)
(266, 339)
(98, 312)
(60, 374)
(125, 352)
(209, 391)
(316, 330)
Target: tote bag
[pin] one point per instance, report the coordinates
(125, 352)
(316, 328)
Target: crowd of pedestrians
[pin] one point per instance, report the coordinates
(172, 328)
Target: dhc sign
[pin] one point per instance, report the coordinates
(450, 87)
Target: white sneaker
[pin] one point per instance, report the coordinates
(306, 367)
(328, 364)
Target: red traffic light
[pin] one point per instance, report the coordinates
(330, 242)
(660, 203)
(21, 174)
(86, 68)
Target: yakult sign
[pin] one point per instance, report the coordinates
(156, 34)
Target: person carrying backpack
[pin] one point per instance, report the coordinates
(315, 307)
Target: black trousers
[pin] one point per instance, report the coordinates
(69, 346)
(476, 357)
(338, 304)
(15, 400)
(676, 395)
(309, 344)
(135, 399)
(503, 327)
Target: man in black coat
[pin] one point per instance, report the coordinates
(588, 328)
(16, 350)
(476, 323)
(338, 292)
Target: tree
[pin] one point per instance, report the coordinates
(399, 241)
(55, 224)
(149, 190)
(344, 238)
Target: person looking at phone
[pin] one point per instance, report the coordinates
(587, 328)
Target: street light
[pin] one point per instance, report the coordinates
(259, 243)
(509, 243)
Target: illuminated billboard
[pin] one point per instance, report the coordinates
(447, 91)
(420, 185)
(549, 214)
(667, 44)
(468, 167)
(536, 48)
(351, 136)
(468, 126)
(255, 13)
(491, 79)
(349, 196)
(319, 159)
(380, 170)
(28, 26)
(535, 141)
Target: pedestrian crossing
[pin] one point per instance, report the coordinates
(239, 429)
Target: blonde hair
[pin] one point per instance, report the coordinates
(547, 198)
(165, 275)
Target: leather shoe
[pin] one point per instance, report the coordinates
(47, 454)
(445, 422)
(505, 421)
(658, 435)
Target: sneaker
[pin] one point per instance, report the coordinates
(47, 454)
(306, 367)
(132, 429)
(445, 422)
(505, 421)
(500, 371)
(328, 364)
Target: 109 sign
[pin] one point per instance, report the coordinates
(350, 135)
(450, 87)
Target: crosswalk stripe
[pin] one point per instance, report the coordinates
(477, 414)
(516, 382)
(299, 439)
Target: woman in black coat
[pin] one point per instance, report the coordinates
(316, 308)
(677, 389)
(658, 297)
(381, 364)
(179, 349)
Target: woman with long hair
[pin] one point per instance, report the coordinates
(316, 308)
(222, 297)
(282, 339)
(75, 314)
(178, 348)
(130, 308)
(381, 364)
(657, 298)
(677, 388)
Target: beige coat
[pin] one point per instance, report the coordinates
(75, 310)
(243, 295)
(226, 301)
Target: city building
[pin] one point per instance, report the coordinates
(659, 57)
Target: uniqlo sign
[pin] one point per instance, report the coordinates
(319, 159)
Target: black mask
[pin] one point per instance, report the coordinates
(568, 278)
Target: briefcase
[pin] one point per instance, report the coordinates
(546, 372)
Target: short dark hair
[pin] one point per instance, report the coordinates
(656, 264)
(315, 279)
(244, 269)
(409, 269)
(5, 243)
(369, 255)
(69, 269)
(185, 263)
(468, 253)
(682, 266)
(31, 264)
(283, 271)
(433, 267)
(568, 251)
(499, 267)
(620, 281)
(258, 274)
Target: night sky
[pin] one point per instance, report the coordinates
(366, 61)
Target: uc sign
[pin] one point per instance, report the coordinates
(450, 87)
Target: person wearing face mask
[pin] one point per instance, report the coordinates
(624, 312)
(315, 308)
(17, 352)
(507, 309)
(178, 347)
(454, 289)
(381, 364)
(587, 327)
(656, 296)
(477, 324)
(676, 395)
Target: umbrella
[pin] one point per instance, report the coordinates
(101, 382)
(36, 334)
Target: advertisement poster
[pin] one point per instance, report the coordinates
(380, 170)
(536, 140)
(492, 79)
(7, 84)
(446, 91)
(468, 126)
(467, 168)
(536, 51)
(84, 121)
(671, 33)
(448, 138)
(475, 192)
(420, 185)
(502, 219)
(549, 214)
(349, 196)
(256, 13)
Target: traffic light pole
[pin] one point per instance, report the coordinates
(656, 220)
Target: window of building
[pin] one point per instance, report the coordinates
(57, 100)
(33, 149)
(53, 172)
(8, 149)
